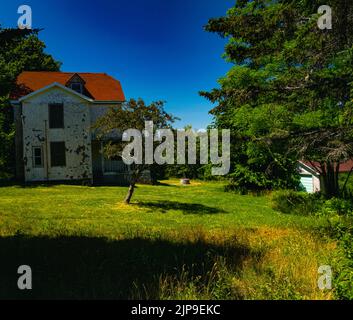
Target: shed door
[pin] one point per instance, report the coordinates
(307, 183)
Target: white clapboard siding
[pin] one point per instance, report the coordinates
(307, 183)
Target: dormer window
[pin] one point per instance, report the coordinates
(76, 83)
(76, 86)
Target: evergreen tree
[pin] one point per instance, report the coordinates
(20, 50)
(289, 94)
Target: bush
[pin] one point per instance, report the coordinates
(337, 206)
(339, 213)
(293, 202)
(192, 171)
(244, 180)
(341, 229)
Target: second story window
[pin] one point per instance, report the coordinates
(56, 116)
(76, 86)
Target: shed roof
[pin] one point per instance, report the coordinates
(344, 167)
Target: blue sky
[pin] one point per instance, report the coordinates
(156, 48)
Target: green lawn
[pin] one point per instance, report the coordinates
(173, 242)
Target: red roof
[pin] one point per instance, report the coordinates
(344, 167)
(99, 86)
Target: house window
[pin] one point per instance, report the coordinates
(77, 87)
(37, 157)
(58, 154)
(56, 116)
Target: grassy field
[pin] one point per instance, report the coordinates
(173, 242)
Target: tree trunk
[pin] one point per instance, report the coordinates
(330, 178)
(135, 177)
(347, 179)
(130, 193)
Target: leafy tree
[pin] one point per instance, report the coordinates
(191, 171)
(20, 50)
(289, 94)
(133, 114)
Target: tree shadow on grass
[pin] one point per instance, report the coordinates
(95, 268)
(186, 208)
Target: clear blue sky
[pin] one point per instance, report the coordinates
(156, 48)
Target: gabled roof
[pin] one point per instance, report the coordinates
(314, 166)
(99, 86)
(74, 78)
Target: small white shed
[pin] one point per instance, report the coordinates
(309, 178)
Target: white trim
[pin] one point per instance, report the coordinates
(55, 84)
(309, 169)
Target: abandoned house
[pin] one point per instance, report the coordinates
(54, 113)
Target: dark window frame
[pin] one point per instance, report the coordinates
(34, 157)
(80, 91)
(57, 159)
(54, 121)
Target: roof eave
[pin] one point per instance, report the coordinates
(108, 101)
(52, 85)
(309, 169)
